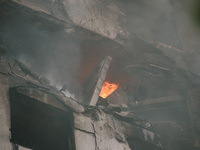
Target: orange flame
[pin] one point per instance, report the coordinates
(108, 88)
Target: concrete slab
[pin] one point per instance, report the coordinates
(90, 89)
(109, 134)
(39, 95)
(83, 123)
(84, 141)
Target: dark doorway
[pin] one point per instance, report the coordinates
(39, 126)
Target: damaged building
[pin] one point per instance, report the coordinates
(123, 93)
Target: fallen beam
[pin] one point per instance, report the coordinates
(90, 89)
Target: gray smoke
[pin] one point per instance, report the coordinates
(50, 53)
(56, 55)
(172, 22)
(161, 20)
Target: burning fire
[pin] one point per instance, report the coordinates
(108, 88)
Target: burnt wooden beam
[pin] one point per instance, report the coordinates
(90, 89)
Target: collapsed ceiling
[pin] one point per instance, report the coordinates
(65, 40)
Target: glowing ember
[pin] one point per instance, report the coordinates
(108, 88)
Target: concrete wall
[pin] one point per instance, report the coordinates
(101, 17)
(5, 134)
(103, 132)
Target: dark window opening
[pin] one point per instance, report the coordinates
(39, 126)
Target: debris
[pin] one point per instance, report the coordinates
(89, 91)
(44, 81)
(64, 87)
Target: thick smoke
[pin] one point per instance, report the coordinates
(172, 22)
(160, 20)
(57, 56)
(50, 53)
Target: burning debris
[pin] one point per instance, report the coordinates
(108, 88)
